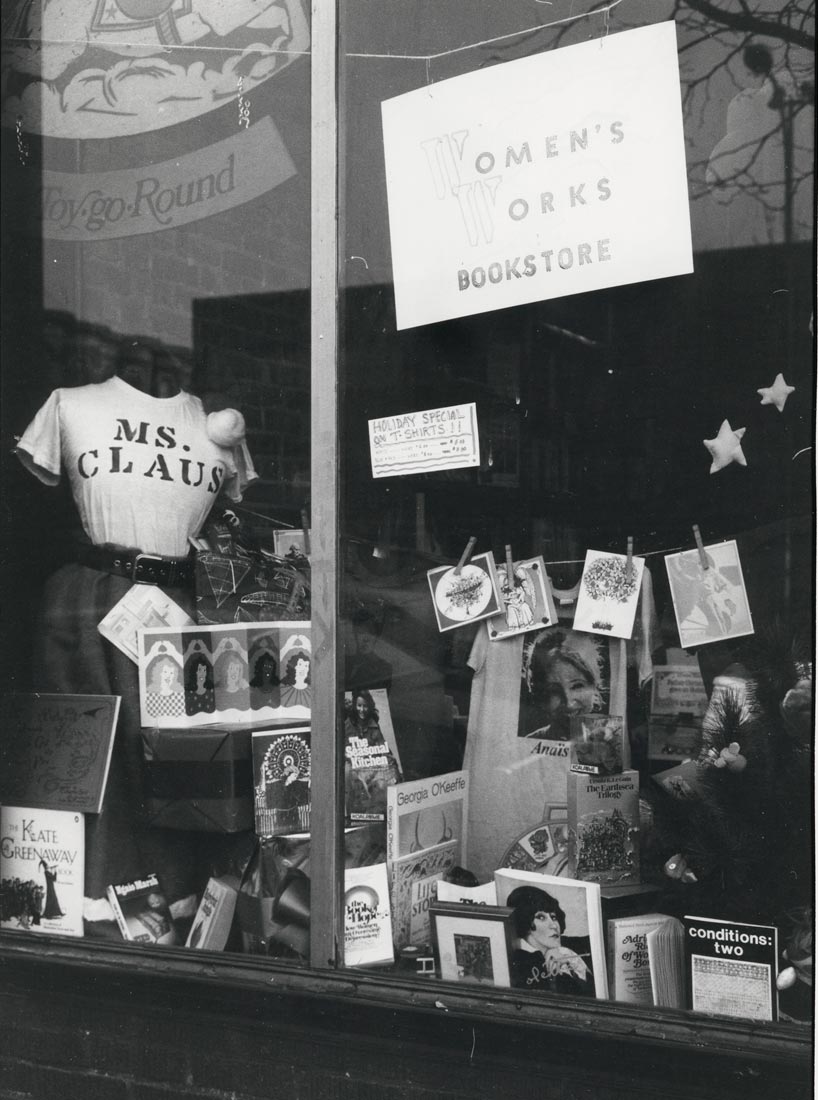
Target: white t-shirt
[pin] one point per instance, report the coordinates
(142, 470)
(512, 779)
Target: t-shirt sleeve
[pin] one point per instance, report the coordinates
(39, 445)
(479, 651)
(241, 472)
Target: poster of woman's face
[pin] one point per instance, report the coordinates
(710, 604)
(230, 672)
(564, 673)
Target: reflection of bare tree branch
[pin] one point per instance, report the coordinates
(751, 22)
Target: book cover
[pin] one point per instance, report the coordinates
(55, 751)
(731, 968)
(467, 895)
(369, 748)
(564, 953)
(629, 972)
(281, 780)
(598, 744)
(427, 812)
(413, 880)
(242, 673)
(678, 705)
(142, 911)
(665, 945)
(214, 917)
(42, 870)
(603, 827)
(367, 917)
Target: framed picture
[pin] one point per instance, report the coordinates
(528, 603)
(465, 595)
(710, 604)
(291, 542)
(472, 942)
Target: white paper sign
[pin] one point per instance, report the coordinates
(551, 175)
(421, 442)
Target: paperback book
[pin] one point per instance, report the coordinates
(467, 895)
(367, 917)
(678, 705)
(413, 884)
(731, 968)
(214, 917)
(603, 828)
(666, 961)
(629, 970)
(142, 911)
(42, 870)
(281, 781)
(425, 813)
(566, 953)
(370, 748)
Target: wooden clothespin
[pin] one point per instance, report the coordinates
(697, 535)
(509, 567)
(464, 557)
(306, 529)
(629, 561)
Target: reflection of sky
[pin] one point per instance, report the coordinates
(709, 72)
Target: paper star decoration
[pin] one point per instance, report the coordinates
(726, 447)
(777, 393)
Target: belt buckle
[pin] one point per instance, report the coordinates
(138, 563)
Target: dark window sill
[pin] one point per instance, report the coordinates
(249, 987)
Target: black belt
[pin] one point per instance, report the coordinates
(136, 566)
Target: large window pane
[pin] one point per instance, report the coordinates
(591, 411)
(157, 217)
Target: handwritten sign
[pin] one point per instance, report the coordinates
(55, 750)
(422, 442)
(550, 175)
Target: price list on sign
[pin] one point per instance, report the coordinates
(422, 442)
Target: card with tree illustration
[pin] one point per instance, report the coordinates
(608, 594)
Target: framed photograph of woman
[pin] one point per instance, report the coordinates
(472, 943)
(710, 604)
(558, 944)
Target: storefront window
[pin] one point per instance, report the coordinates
(575, 637)
(446, 611)
(157, 232)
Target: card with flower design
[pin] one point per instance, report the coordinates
(608, 594)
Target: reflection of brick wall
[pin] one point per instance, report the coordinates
(77, 352)
(252, 352)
